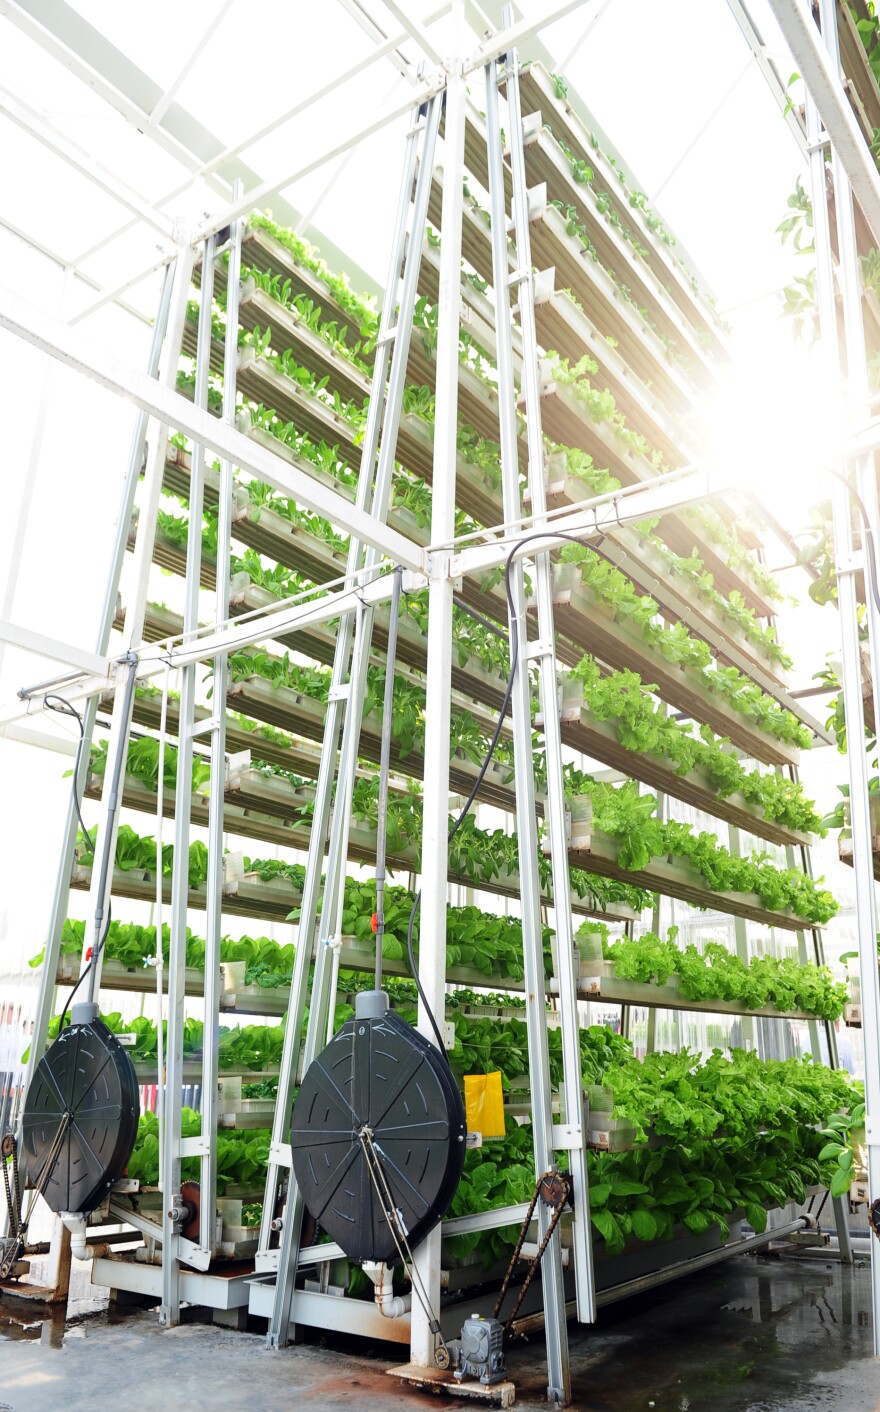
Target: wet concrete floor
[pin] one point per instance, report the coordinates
(755, 1335)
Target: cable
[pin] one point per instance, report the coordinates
(66, 709)
(481, 774)
(92, 960)
(384, 765)
(870, 547)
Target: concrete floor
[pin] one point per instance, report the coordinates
(755, 1335)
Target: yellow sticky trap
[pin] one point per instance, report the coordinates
(484, 1104)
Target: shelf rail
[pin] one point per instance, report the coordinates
(846, 563)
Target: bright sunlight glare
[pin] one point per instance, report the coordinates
(776, 424)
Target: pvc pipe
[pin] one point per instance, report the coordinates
(75, 1222)
(389, 1304)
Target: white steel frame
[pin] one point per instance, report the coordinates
(854, 174)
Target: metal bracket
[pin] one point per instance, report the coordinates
(193, 1254)
(853, 563)
(339, 693)
(194, 1146)
(567, 1137)
(538, 649)
(205, 727)
(281, 1154)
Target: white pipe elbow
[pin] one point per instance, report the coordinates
(389, 1304)
(76, 1224)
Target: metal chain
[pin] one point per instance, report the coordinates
(16, 1176)
(13, 1208)
(21, 1224)
(371, 1157)
(557, 1209)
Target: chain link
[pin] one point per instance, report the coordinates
(563, 1183)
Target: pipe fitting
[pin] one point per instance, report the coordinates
(389, 1304)
(75, 1222)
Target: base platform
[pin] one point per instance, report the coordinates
(442, 1380)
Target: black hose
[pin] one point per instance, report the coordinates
(66, 709)
(481, 774)
(870, 546)
(384, 765)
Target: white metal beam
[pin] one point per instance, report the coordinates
(114, 295)
(74, 657)
(65, 264)
(415, 29)
(333, 85)
(826, 89)
(170, 94)
(767, 64)
(358, 134)
(30, 121)
(592, 517)
(232, 637)
(377, 34)
(72, 347)
(490, 48)
(134, 115)
(513, 36)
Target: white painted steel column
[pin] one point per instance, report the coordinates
(438, 680)
(61, 894)
(820, 71)
(344, 707)
(136, 606)
(847, 568)
(172, 1079)
(214, 880)
(555, 808)
(558, 1377)
(866, 482)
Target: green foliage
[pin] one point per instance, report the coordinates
(718, 974)
(310, 314)
(628, 817)
(643, 726)
(675, 643)
(360, 309)
(242, 1157)
(134, 853)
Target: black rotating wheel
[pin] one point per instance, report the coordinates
(381, 1079)
(86, 1086)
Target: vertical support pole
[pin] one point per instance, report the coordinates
(214, 881)
(438, 680)
(526, 814)
(61, 893)
(751, 1036)
(846, 566)
(346, 704)
(651, 1028)
(555, 814)
(135, 608)
(172, 1079)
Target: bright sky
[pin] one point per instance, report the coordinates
(672, 87)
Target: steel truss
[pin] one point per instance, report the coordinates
(318, 938)
(832, 126)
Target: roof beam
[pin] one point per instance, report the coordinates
(823, 83)
(164, 103)
(33, 123)
(73, 348)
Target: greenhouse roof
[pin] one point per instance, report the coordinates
(132, 121)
